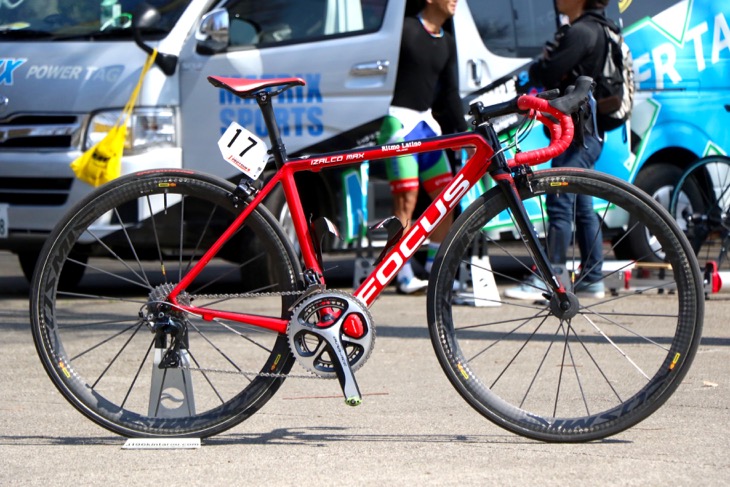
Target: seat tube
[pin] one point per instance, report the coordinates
(277, 146)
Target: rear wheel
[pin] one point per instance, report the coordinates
(553, 374)
(118, 351)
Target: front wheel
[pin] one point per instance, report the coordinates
(118, 351)
(540, 372)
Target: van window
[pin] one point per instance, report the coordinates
(78, 19)
(274, 22)
(514, 28)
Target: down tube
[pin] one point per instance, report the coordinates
(444, 204)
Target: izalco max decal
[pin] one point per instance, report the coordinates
(7, 68)
(387, 270)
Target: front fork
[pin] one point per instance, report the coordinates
(502, 175)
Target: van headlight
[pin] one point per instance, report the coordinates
(147, 128)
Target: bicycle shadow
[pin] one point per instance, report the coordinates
(317, 436)
(321, 436)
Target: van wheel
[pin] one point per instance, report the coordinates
(70, 276)
(658, 181)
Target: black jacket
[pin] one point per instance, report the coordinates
(579, 49)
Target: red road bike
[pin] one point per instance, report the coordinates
(162, 344)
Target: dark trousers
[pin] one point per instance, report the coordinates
(560, 209)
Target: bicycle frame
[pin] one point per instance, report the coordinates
(475, 168)
(484, 140)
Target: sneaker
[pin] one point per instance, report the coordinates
(531, 289)
(590, 290)
(412, 286)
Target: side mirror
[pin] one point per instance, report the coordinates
(213, 34)
(145, 17)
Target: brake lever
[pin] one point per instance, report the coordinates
(593, 105)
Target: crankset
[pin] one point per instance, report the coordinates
(331, 335)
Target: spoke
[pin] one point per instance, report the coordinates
(112, 274)
(182, 238)
(229, 272)
(624, 327)
(605, 254)
(157, 238)
(221, 352)
(575, 369)
(136, 375)
(143, 278)
(106, 340)
(203, 232)
(159, 396)
(595, 362)
(616, 347)
(562, 368)
(514, 357)
(101, 297)
(207, 379)
(539, 368)
(96, 323)
(131, 247)
(112, 361)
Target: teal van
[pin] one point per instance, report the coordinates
(66, 72)
(681, 62)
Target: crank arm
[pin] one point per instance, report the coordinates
(345, 375)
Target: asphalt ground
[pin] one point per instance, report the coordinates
(412, 428)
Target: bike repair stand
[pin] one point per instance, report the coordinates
(171, 396)
(479, 270)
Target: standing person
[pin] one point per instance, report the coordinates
(427, 79)
(579, 48)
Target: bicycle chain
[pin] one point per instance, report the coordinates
(255, 374)
(246, 295)
(248, 374)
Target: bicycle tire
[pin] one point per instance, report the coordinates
(556, 380)
(97, 348)
(701, 203)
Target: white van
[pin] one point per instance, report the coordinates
(67, 67)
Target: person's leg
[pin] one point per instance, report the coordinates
(435, 174)
(402, 174)
(589, 234)
(563, 210)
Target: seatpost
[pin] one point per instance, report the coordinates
(277, 146)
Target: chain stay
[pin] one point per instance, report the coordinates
(242, 372)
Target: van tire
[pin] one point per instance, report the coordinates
(70, 277)
(657, 180)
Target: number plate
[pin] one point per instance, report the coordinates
(4, 223)
(243, 150)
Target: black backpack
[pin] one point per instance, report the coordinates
(614, 91)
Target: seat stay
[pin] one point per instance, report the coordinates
(249, 88)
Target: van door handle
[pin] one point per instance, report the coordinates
(476, 70)
(373, 68)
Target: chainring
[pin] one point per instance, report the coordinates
(330, 311)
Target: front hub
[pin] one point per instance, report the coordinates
(564, 307)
